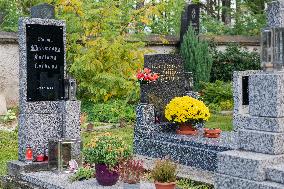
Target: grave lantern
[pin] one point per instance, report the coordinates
(266, 49)
(70, 89)
(64, 155)
(278, 48)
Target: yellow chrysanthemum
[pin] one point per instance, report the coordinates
(186, 109)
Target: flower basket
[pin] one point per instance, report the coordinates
(187, 112)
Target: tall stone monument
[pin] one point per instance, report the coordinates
(45, 111)
(259, 117)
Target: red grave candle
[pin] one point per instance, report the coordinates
(29, 154)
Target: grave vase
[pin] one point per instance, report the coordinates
(143, 93)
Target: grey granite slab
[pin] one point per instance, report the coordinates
(230, 182)
(266, 97)
(145, 114)
(50, 180)
(275, 173)
(268, 124)
(15, 168)
(35, 130)
(247, 165)
(239, 108)
(262, 142)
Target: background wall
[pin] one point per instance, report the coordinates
(9, 68)
(9, 56)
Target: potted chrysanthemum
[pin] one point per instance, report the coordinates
(187, 112)
(106, 152)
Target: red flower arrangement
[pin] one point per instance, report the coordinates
(146, 76)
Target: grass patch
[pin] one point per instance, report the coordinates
(8, 148)
(224, 122)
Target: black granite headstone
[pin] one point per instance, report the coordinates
(170, 84)
(44, 11)
(190, 17)
(45, 62)
(245, 91)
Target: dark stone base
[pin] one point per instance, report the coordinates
(15, 168)
(195, 151)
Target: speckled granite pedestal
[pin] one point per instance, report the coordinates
(160, 140)
(258, 163)
(40, 121)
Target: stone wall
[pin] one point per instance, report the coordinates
(9, 68)
(9, 56)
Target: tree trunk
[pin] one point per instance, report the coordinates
(226, 12)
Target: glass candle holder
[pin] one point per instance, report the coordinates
(64, 152)
(266, 49)
(278, 49)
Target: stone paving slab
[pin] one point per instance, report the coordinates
(51, 180)
(247, 165)
(229, 182)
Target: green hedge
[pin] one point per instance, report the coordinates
(234, 58)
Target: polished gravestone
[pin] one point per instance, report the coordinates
(45, 110)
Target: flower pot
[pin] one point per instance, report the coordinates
(160, 185)
(90, 127)
(104, 176)
(212, 133)
(186, 129)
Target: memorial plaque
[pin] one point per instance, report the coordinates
(190, 17)
(245, 84)
(193, 16)
(45, 62)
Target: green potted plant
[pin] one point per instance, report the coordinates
(187, 112)
(131, 171)
(164, 174)
(106, 152)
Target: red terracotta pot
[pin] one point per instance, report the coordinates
(186, 129)
(212, 133)
(160, 185)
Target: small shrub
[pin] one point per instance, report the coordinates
(197, 58)
(110, 111)
(214, 108)
(82, 174)
(217, 92)
(226, 105)
(164, 171)
(131, 171)
(233, 59)
(106, 149)
(9, 117)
